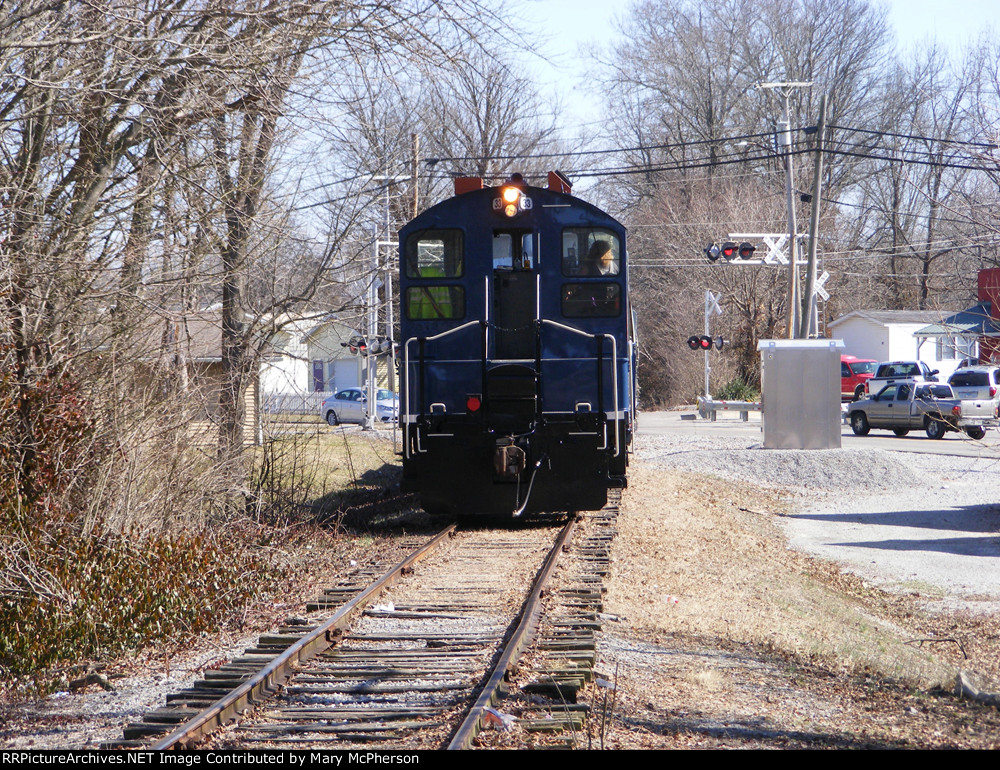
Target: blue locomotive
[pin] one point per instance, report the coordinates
(517, 375)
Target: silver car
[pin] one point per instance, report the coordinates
(351, 405)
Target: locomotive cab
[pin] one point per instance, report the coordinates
(517, 374)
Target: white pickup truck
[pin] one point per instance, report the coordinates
(916, 405)
(890, 372)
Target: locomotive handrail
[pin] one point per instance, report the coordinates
(406, 378)
(614, 369)
(406, 374)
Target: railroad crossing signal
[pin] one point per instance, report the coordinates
(729, 250)
(712, 305)
(704, 342)
(820, 291)
(359, 346)
(775, 249)
(356, 344)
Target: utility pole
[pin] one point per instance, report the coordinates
(372, 316)
(414, 167)
(784, 89)
(810, 314)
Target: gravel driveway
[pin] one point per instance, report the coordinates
(907, 521)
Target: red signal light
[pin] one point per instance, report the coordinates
(747, 250)
(705, 342)
(728, 249)
(694, 342)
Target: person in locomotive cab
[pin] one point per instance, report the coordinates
(600, 260)
(595, 299)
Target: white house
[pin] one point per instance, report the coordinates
(891, 335)
(305, 362)
(308, 359)
(331, 364)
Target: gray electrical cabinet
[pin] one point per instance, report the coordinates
(800, 393)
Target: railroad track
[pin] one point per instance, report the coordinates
(398, 663)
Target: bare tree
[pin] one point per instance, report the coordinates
(913, 200)
(139, 144)
(481, 117)
(699, 136)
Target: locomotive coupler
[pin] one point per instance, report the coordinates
(508, 460)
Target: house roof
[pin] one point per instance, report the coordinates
(975, 321)
(887, 317)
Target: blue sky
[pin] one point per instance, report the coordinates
(570, 24)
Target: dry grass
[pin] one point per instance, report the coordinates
(146, 573)
(720, 637)
(699, 557)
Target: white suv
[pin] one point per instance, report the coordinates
(976, 383)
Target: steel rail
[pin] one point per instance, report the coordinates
(519, 641)
(268, 679)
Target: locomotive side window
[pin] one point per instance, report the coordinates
(435, 254)
(590, 251)
(591, 300)
(513, 250)
(428, 303)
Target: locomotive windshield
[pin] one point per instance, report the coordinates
(435, 254)
(514, 250)
(590, 251)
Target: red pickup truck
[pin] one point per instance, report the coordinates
(853, 373)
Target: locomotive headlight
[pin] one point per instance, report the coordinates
(512, 201)
(511, 198)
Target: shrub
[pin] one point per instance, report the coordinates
(737, 390)
(73, 582)
(64, 596)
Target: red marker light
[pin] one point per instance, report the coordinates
(473, 403)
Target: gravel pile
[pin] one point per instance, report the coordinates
(868, 470)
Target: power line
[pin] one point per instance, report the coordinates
(990, 145)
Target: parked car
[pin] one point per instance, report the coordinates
(889, 372)
(854, 372)
(977, 382)
(916, 405)
(351, 405)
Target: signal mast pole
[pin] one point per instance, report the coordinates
(711, 306)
